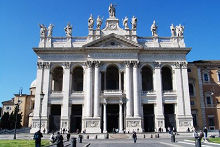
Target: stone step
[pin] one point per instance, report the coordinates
(119, 136)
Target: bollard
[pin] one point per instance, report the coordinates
(80, 138)
(197, 142)
(87, 136)
(73, 142)
(151, 136)
(158, 136)
(144, 136)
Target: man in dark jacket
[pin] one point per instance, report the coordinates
(37, 137)
(134, 136)
(59, 140)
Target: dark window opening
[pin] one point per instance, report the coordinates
(147, 79)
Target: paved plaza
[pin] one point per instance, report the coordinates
(182, 140)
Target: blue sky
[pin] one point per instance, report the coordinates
(20, 19)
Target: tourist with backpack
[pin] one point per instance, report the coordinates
(59, 140)
(37, 137)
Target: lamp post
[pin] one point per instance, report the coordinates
(16, 112)
(41, 99)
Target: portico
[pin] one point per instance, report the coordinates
(116, 79)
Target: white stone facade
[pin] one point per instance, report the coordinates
(129, 53)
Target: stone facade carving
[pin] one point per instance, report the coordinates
(136, 64)
(89, 64)
(125, 22)
(134, 23)
(68, 30)
(67, 65)
(133, 124)
(46, 65)
(111, 10)
(92, 124)
(50, 30)
(154, 29)
(98, 22)
(90, 22)
(43, 30)
(157, 64)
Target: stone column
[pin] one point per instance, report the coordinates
(128, 90)
(159, 112)
(120, 117)
(136, 90)
(88, 97)
(46, 91)
(119, 82)
(65, 113)
(96, 90)
(104, 118)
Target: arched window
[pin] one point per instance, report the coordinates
(147, 79)
(57, 79)
(166, 78)
(77, 79)
(112, 78)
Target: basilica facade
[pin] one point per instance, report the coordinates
(112, 80)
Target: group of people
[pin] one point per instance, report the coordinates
(54, 139)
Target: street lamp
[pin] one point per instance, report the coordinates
(16, 111)
(41, 99)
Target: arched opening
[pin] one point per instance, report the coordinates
(147, 79)
(77, 79)
(57, 79)
(167, 79)
(112, 78)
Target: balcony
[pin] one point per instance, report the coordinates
(112, 93)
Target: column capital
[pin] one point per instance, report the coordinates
(88, 64)
(177, 65)
(39, 65)
(127, 64)
(184, 65)
(136, 64)
(157, 64)
(67, 65)
(97, 63)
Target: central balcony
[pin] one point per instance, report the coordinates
(112, 93)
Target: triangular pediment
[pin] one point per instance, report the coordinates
(112, 41)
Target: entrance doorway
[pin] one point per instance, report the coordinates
(54, 119)
(148, 110)
(76, 118)
(112, 117)
(169, 114)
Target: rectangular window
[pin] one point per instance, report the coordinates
(206, 77)
(208, 100)
(211, 121)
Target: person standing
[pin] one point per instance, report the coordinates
(206, 133)
(52, 138)
(37, 137)
(68, 136)
(59, 140)
(134, 136)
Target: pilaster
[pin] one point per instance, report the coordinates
(65, 113)
(159, 112)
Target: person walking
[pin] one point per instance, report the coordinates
(59, 140)
(134, 136)
(37, 137)
(52, 138)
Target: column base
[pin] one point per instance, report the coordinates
(183, 123)
(134, 124)
(36, 125)
(160, 123)
(92, 125)
(65, 124)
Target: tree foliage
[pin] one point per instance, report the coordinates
(8, 120)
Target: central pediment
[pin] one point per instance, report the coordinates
(112, 41)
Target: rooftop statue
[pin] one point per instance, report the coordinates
(134, 23)
(50, 30)
(179, 30)
(125, 22)
(154, 29)
(90, 22)
(172, 29)
(43, 30)
(111, 10)
(98, 22)
(68, 30)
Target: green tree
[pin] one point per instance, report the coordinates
(5, 121)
